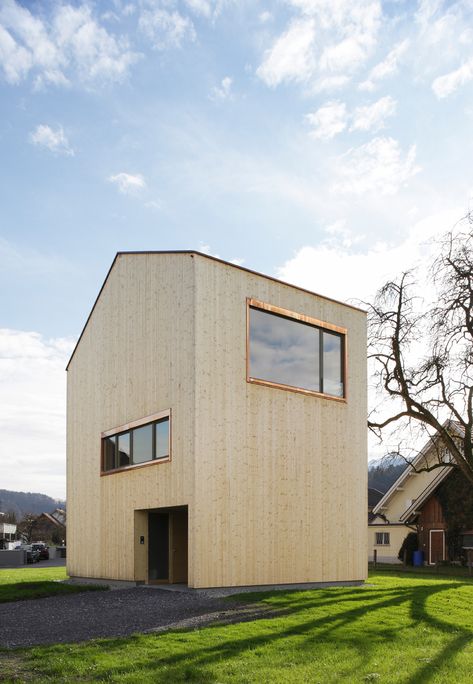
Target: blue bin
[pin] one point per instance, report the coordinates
(418, 559)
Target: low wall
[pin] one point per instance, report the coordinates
(12, 558)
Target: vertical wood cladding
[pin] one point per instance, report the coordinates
(280, 480)
(135, 358)
(274, 481)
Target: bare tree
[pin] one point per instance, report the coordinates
(27, 526)
(423, 356)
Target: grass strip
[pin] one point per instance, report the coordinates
(21, 584)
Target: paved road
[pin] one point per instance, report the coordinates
(89, 615)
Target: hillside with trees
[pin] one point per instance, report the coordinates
(22, 503)
(383, 473)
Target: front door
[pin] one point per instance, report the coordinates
(436, 546)
(158, 553)
(167, 548)
(178, 546)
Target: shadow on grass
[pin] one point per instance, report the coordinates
(359, 619)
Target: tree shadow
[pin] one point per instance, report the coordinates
(193, 660)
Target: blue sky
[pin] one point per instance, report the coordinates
(321, 141)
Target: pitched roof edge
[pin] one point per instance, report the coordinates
(206, 256)
(409, 469)
(92, 311)
(430, 489)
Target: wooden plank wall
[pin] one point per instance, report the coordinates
(136, 358)
(281, 477)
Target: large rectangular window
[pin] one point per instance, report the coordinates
(291, 350)
(139, 443)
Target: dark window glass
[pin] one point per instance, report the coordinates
(109, 453)
(293, 353)
(123, 450)
(284, 351)
(140, 445)
(332, 364)
(162, 438)
(143, 444)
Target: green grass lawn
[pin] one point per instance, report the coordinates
(398, 628)
(19, 584)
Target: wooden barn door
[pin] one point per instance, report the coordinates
(436, 546)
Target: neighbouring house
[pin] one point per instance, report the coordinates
(51, 527)
(437, 505)
(7, 533)
(374, 495)
(216, 429)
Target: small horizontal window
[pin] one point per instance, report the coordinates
(144, 443)
(294, 352)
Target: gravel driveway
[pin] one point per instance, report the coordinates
(79, 617)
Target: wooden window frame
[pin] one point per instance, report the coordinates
(127, 427)
(301, 318)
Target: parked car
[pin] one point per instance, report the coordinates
(42, 549)
(32, 555)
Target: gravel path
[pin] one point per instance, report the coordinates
(80, 617)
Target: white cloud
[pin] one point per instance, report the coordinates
(443, 86)
(202, 7)
(388, 67)
(15, 59)
(128, 183)
(70, 46)
(128, 10)
(372, 117)
(331, 83)
(331, 40)
(265, 16)
(53, 140)
(443, 44)
(222, 92)
(332, 118)
(32, 411)
(328, 121)
(364, 270)
(342, 56)
(290, 58)
(377, 167)
(166, 29)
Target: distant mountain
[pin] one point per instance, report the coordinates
(383, 472)
(27, 502)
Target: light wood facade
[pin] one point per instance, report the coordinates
(274, 481)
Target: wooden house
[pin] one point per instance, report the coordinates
(216, 429)
(413, 504)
